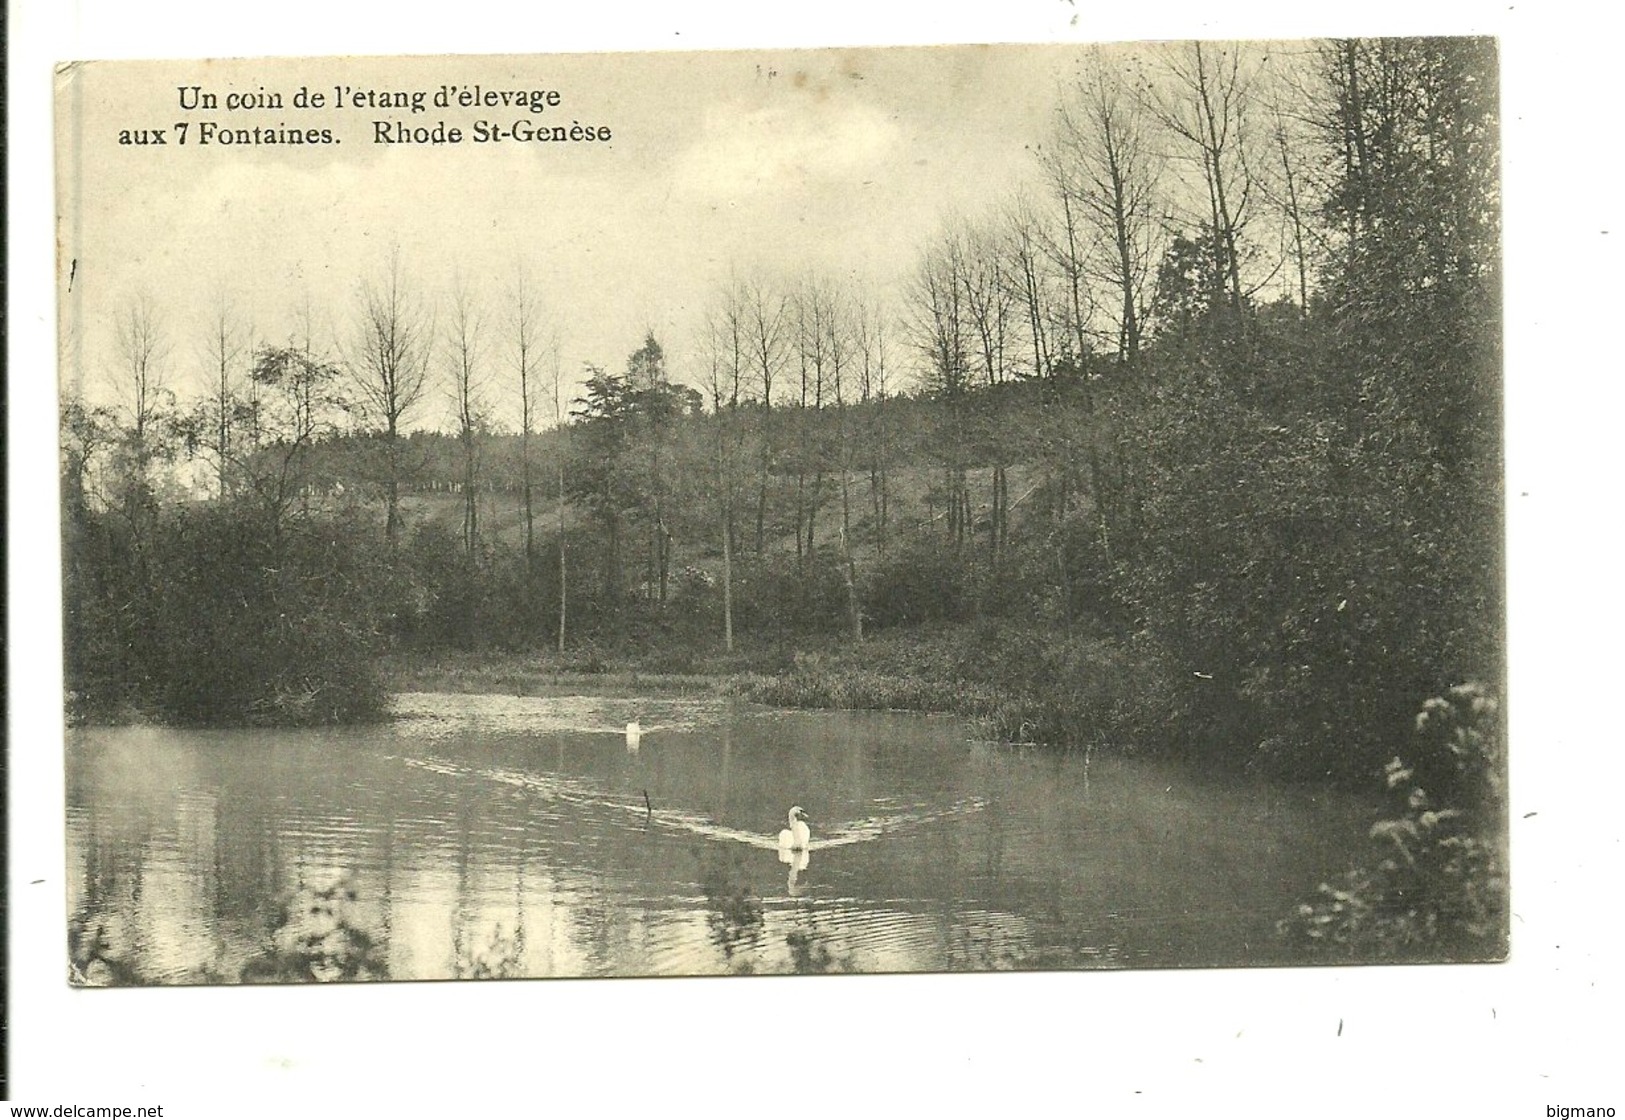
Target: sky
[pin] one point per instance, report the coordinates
(1494, 1040)
(762, 163)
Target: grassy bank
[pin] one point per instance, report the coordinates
(502, 672)
(1020, 686)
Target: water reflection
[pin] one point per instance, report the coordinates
(489, 837)
(797, 859)
(734, 919)
(500, 957)
(812, 952)
(319, 936)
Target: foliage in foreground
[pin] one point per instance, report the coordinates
(1436, 886)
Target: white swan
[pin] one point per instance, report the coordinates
(798, 835)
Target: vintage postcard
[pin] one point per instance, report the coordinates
(868, 510)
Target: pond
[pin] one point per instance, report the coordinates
(477, 836)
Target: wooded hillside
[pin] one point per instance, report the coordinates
(1198, 448)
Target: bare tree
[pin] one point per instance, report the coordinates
(564, 459)
(727, 359)
(141, 376)
(1068, 248)
(224, 345)
(391, 369)
(1205, 108)
(1292, 186)
(765, 327)
(465, 352)
(1029, 278)
(989, 303)
(1042, 289)
(1107, 174)
(821, 343)
(874, 385)
(939, 325)
(842, 343)
(524, 321)
(145, 410)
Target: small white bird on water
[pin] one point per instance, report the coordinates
(797, 836)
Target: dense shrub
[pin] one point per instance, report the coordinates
(779, 593)
(920, 582)
(1435, 884)
(104, 616)
(221, 618)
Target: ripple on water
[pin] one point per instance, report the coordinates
(437, 715)
(468, 816)
(556, 787)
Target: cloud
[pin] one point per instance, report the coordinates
(779, 147)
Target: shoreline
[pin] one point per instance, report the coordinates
(927, 673)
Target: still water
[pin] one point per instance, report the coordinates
(527, 836)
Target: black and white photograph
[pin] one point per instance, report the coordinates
(802, 528)
(936, 509)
